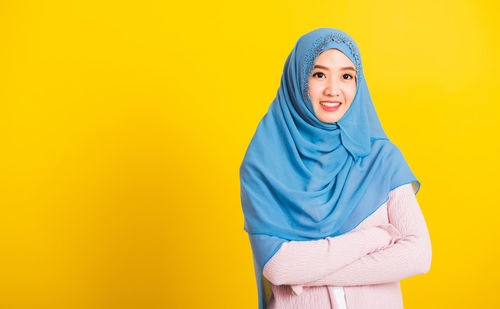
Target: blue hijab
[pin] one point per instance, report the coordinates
(302, 179)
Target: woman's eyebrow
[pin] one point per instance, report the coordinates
(325, 68)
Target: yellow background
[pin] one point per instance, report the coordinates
(124, 123)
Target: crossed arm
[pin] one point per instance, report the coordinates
(379, 254)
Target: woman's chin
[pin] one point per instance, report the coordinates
(328, 118)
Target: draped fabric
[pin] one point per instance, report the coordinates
(302, 179)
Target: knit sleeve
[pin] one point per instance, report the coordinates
(408, 256)
(298, 262)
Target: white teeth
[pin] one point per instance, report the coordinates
(329, 104)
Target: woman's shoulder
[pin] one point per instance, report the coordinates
(384, 148)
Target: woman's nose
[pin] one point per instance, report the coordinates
(332, 89)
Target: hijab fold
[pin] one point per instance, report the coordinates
(302, 179)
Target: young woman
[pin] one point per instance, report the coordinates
(329, 201)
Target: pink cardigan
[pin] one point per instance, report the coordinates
(357, 270)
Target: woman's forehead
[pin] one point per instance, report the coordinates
(334, 58)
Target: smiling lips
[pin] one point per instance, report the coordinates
(330, 106)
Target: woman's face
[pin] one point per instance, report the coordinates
(333, 81)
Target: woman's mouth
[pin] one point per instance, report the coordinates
(330, 106)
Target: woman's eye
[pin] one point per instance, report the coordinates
(318, 73)
(349, 76)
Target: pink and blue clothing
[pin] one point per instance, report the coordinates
(357, 270)
(306, 183)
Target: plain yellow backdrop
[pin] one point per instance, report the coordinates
(123, 126)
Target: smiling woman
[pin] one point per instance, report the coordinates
(329, 201)
(332, 86)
